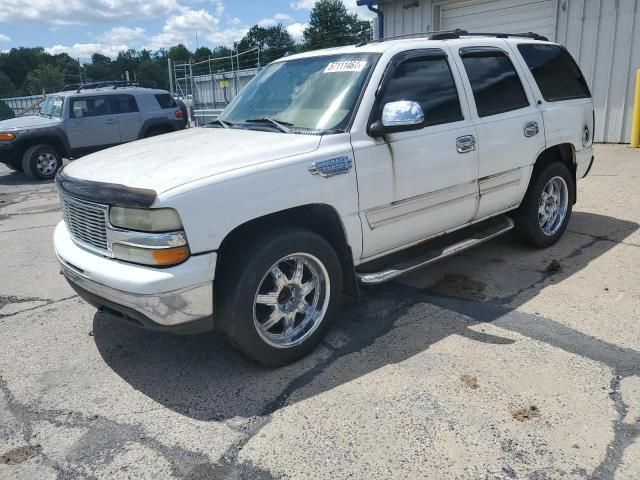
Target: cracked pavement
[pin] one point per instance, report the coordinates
(503, 362)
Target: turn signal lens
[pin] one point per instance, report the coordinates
(7, 137)
(164, 257)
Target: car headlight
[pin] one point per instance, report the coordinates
(153, 236)
(145, 220)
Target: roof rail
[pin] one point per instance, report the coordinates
(453, 34)
(115, 84)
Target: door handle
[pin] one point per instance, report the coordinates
(465, 144)
(110, 122)
(531, 129)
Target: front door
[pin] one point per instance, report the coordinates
(418, 183)
(509, 126)
(96, 128)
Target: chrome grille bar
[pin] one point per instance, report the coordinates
(86, 221)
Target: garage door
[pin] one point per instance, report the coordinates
(508, 16)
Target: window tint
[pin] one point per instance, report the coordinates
(494, 81)
(555, 72)
(428, 81)
(91, 107)
(165, 100)
(123, 104)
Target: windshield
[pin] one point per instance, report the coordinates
(317, 93)
(52, 107)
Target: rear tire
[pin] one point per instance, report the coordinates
(277, 296)
(546, 208)
(41, 162)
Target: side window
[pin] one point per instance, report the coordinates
(555, 72)
(123, 104)
(91, 107)
(494, 81)
(165, 100)
(428, 81)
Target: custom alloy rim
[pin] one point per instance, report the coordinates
(292, 300)
(552, 209)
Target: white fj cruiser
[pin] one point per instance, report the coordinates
(331, 169)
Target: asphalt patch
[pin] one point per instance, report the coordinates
(458, 286)
(526, 413)
(469, 381)
(19, 455)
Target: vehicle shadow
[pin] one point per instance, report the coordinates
(12, 178)
(201, 377)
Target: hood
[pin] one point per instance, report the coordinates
(27, 122)
(167, 161)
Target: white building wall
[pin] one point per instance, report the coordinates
(602, 35)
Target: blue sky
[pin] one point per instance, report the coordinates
(82, 27)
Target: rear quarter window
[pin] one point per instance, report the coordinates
(555, 71)
(165, 100)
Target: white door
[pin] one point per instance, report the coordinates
(414, 184)
(97, 127)
(509, 125)
(504, 16)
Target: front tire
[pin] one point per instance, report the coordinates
(41, 162)
(546, 208)
(278, 297)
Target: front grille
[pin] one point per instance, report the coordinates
(86, 221)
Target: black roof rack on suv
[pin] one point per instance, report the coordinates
(114, 84)
(453, 34)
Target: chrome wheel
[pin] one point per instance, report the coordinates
(46, 164)
(553, 205)
(292, 300)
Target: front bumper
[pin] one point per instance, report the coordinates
(176, 299)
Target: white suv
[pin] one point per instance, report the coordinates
(331, 169)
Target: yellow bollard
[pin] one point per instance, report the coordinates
(635, 129)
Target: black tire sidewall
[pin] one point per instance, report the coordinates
(30, 160)
(242, 277)
(527, 226)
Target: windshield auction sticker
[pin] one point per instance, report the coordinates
(351, 66)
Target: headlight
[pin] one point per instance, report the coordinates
(7, 137)
(145, 220)
(161, 257)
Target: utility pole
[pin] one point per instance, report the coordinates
(80, 70)
(170, 75)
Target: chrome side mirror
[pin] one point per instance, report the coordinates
(402, 113)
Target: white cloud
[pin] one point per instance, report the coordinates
(275, 20)
(296, 30)
(78, 12)
(83, 51)
(4, 38)
(123, 35)
(283, 17)
(351, 5)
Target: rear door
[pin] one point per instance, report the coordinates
(509, 126)
(96, 128)
(126, 109)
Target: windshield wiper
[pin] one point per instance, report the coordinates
(222, 122)
(282, 126)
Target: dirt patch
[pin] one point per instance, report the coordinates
(459, 286)
(554, 267)
(526, 413)
(469, 381)
(19, 454)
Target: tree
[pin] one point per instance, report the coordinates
(150, 71)
(273, 42)
(179, 53)
(331, 25)
(7, 88)
(5, 111)
(45, 78)
(202, 53)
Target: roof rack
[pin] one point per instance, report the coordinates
(115, 84)
(454, 34)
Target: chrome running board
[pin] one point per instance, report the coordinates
(442, 247)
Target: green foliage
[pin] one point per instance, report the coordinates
(7, 88)
(274, 42)
(43, 79)
(179, 53)
(5, 112)
(332, 25)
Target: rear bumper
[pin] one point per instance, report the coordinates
(176, 299)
